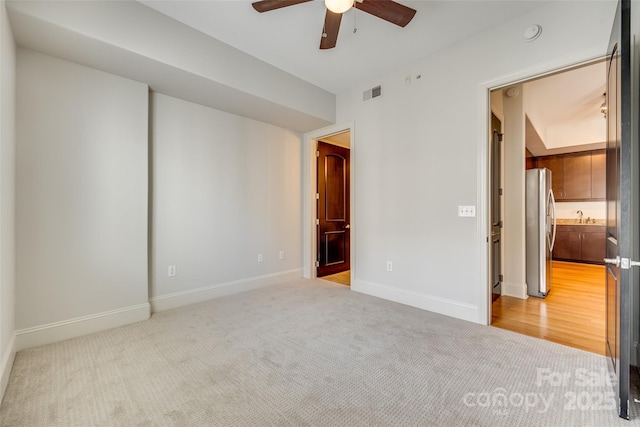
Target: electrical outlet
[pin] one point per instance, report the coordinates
(260, 259)
(281, 256)
(172, 270)
(389, 266)
(466, 211)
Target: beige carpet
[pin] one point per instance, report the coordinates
(306, 353)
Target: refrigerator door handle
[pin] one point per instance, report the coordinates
(553, 218)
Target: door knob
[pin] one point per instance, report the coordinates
(347, 226)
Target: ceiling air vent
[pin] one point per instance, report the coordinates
(372, 93)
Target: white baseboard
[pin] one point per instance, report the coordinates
(518, 290)
(58, 331)
(192, 296)
(426, 302)
(6, 363)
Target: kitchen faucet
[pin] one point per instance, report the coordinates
(581, 216)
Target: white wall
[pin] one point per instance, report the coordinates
(81, 200)
(170, 57)
(7, 197)
(225, 189)
(422, 151)
(513, 233)
(568, 210)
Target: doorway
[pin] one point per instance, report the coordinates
(538, 134)
(496, 207)
(333, 209)
(340, 136)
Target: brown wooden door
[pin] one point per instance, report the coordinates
(612, 293)
(334, 230)
(621, 192)
(496, 208)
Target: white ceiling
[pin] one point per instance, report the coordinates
(188, 49)
(564, 109)
(288, 38)
(342, 139)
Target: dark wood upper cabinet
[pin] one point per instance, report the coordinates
(576, 176)
(555, 165)
(598, 174)
(529, 160)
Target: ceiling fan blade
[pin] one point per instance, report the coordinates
(267, 5)
(388, 10)
(331, 28)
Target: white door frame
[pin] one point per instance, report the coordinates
(484, 169)
(309, 189)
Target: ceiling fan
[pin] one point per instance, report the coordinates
(384, 9)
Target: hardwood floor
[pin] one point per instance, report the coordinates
(343, 278)
(572, 314)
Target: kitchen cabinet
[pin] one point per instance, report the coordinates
(598, 174)
(529, 160)
(581, 243)
(594, 246)
(568, 244)
(555, 165)
(530, 163)
(576, 176)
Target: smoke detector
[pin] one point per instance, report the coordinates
(512, 92)
(532, 32)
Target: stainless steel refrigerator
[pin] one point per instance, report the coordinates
(540, 231)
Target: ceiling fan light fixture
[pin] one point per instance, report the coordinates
(603, 107)
(338, 6)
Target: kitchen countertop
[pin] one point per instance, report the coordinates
(573, 221)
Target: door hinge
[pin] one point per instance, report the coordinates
(317, 196)
(317, 154)
(317, 221)
(500, 137)
(500, 278)
(317, 263)
(500, 224)
(500, 192)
